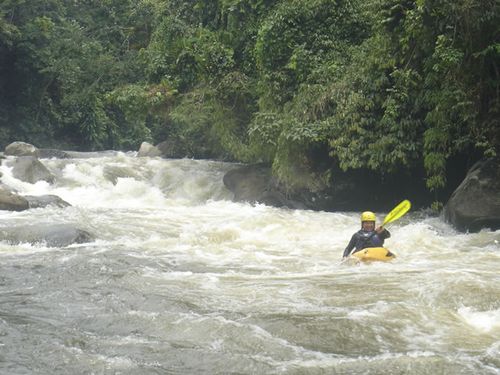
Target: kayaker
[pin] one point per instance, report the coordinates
(367, 236)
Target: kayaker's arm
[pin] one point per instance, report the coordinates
(382, 233)
(350, 246)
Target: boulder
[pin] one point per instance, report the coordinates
(30, 169)
(148, 150)
(21, 149)
(12, 202)
(51, 235)
(45, 200)
(475, 204)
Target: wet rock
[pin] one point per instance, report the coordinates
(475, 204)
(10, 201)
(21, 149)
(45, 200)
(148, 150)
(30, 169)
(52, 235)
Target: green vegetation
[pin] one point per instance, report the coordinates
(309, 86)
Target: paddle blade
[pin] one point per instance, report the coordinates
(397, 212)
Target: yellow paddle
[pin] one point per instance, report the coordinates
(397, 212)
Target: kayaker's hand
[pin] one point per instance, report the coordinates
(379, 229)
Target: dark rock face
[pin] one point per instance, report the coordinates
(172, 150)
(475, 204)
(350, 191)
(248, 183)
(52, 235)
(255, 184)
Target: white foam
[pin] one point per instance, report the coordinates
(122, 181)
(483, 321)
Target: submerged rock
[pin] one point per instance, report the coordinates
(475, 204)
(41, 201)
(90, 154)
(48, 153)
(52, 235)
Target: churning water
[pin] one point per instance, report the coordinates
(181, 280)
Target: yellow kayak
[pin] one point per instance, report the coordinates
(374, 253)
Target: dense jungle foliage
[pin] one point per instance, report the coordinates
(311, 86)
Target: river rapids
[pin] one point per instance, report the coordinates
(181, 280)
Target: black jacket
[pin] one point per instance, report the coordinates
(362, 239)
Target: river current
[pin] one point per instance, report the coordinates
(181, 280)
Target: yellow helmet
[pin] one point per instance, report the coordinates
(368, 216)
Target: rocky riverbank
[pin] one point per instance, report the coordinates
(24, 160)
(473, 206)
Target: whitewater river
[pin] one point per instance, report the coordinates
(181, 280)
